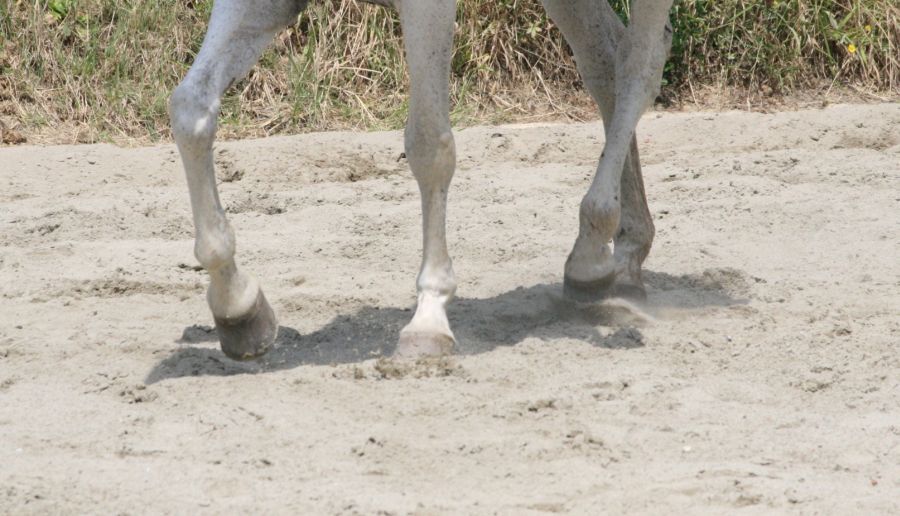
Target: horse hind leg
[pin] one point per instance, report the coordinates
(238, 32)
(616, 205)
(636, 231)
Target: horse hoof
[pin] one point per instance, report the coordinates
(419, 344)
(600, 290)
(587, 291)
(251, 335)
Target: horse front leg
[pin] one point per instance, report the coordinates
(238, 32)
(428, 39)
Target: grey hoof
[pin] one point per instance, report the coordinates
(600, 290)
(251, 335)
(414, 345)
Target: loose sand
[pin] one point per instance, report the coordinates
(764, 374)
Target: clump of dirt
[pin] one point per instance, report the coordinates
(429, 367)
(138, 394)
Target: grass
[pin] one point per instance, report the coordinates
(100, 70)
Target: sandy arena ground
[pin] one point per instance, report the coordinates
(764, 375)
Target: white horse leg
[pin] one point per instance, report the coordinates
(238, 32)
(636, 231)
(428, 39)
(621, 68)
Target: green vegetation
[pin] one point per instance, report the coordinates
(104, 69)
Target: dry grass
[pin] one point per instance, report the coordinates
(98, 70)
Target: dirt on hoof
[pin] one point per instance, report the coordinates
(427, 367)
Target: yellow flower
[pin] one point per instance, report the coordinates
(851, 48)
(868, 28)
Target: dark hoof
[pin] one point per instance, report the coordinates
(587, 291)
(251, 335)
(600, 290)
(414, 345)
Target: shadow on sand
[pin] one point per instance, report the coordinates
(480, 325)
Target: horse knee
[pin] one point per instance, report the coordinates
(192, 115)
(431, 154)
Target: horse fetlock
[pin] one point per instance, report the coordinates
(231, 293)
(591, 259)
(600, 215)
(215, 249)
(439, 282)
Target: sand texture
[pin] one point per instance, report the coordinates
(763, 375)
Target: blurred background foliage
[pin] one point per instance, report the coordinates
(101, 70)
